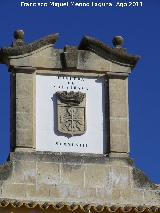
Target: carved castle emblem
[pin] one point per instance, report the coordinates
(71, 112)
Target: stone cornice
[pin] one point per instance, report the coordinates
(117, 55)
(22, 69)
(27, 48)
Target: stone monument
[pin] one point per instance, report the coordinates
(69, 130)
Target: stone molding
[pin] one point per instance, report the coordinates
(28, 48)
(22, 69)
(111, 54)
(77, 158)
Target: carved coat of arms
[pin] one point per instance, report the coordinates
(71, 113)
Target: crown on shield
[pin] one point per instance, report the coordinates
(71, 98)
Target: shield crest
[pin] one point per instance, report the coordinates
(71, 108)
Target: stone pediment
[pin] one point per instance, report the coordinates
(20, 48)
(116, 55)
(91, 55)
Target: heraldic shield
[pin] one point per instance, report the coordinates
(71, 113)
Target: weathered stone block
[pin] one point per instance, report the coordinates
(118, 110)
(120, 69)
(133, 197)
(119, 126)
(70, 193)
(126, 196)
(90, 61)
(120, 177)
(39, 191)
(85, 194)
(70, 57)
(72, 174)
(97, 176)
(24, 120)
(57, 192)
(138, 197)
(24, 137)
(119, 143)
(24, 87)
(118, 97)
(48, 173)
(120, 161)
(24, 172)
(118, 90)
(104, 195)
(116, 196)
(23, 76)
(14, 191)
(46, 57)
(24, 104)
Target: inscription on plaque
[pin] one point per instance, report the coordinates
(71, 113)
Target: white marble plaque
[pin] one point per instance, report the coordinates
(47, 137)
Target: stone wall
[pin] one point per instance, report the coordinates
(72, 178)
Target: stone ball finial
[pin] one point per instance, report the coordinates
(19, 34)
(118, 41)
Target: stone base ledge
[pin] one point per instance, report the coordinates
(65, 157)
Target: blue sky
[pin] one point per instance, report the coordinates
(140, 28)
